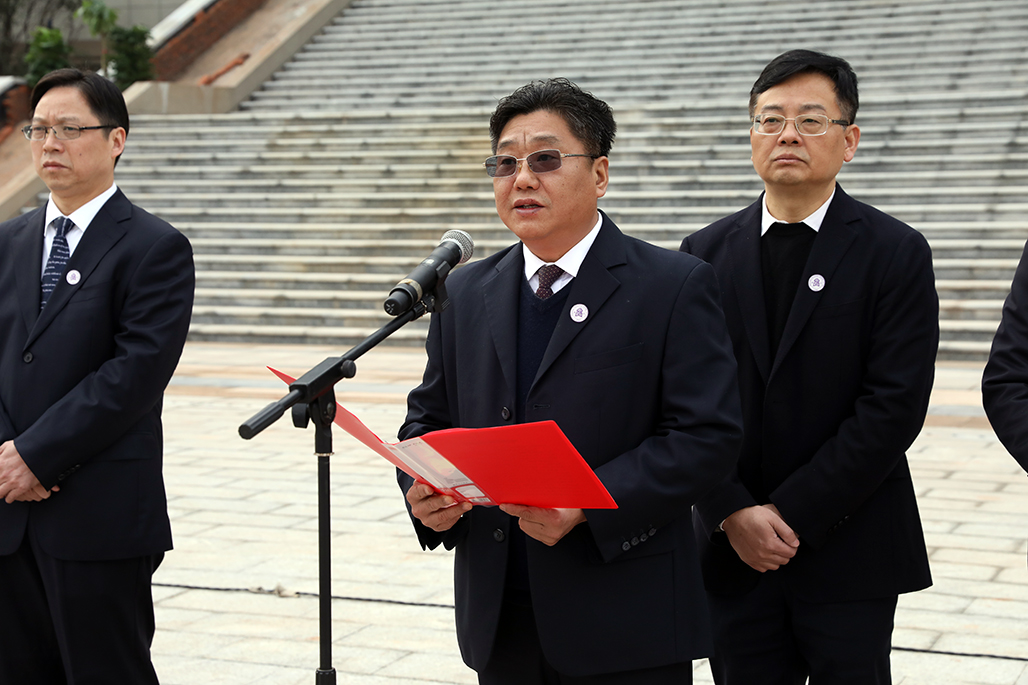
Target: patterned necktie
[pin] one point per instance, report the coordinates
(547, 276)
(59, 254)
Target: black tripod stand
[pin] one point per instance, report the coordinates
(312, 398)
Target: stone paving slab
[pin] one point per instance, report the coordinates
(236, 600)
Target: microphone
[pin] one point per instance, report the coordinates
(455, 247)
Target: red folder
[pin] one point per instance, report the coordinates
(533, 464)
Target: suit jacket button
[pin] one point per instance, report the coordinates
(626, 546)
(653, 531)
(644, 537)
(498, 535)
(635, 541)
(27, 358)
(505, 414)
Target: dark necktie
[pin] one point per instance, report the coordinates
(59, 254)
(547, 276)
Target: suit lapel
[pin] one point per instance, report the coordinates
(500, 294)
(28, 265)
(593, 285)
(106, 229)
(745, 269)
(830, 245)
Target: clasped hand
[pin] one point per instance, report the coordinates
(17, 482)
(761, 537)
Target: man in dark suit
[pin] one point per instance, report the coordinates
(1005, 381)
(95, 300)
(832, 311)
(624, 346)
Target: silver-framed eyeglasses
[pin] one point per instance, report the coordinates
(61, 131)
(806, 124)
(499, 166)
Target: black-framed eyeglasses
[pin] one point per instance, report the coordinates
(61, 131)
(499, 166)
(806, 124)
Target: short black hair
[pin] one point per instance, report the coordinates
(103, 97)
(590, 119)
(796, 62)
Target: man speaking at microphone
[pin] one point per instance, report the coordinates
(624, 346)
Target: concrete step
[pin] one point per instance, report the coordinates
(300, 317)
(301, 335)
(981, 331)
(968, 290)
(974, 269)
(971, 310)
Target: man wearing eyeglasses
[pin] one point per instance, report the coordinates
(624, 345)
(95, 300)
(833, 315)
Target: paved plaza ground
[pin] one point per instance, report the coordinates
(236, 600)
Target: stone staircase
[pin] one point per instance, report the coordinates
(343, 170)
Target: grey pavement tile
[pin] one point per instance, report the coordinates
(912, 638)
(999, 607)
(996, 645)
(977, 543)
(944, 569)
(1015, 576)
(963, 555)
(187, 670)
(412, 639)
(974, 589)
(433, 667)
(968, 625)
(933, 601)
(916, 668)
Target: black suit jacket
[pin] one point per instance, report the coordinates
(645, 390)
(828, 420)
(81, 382)
(1005, 381)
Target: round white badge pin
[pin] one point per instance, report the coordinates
(816, 283)
(579, 313)
(73, 277)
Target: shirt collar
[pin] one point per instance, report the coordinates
(572, 260)
(814, 220)
(84, 215)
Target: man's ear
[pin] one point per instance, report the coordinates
(852, 140)
(601, 171)
(117, 140)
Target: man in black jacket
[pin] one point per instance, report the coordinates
(624, 345)
(833, 315)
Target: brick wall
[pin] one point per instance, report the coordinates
(207, 28)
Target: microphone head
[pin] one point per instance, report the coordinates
(464, 242)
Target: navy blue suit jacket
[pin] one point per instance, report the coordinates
(81, 382)
(645, 389)
(829, 419)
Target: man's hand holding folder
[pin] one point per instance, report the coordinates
(438, 512)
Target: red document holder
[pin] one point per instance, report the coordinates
(532, 464)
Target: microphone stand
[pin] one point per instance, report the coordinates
(312, 398)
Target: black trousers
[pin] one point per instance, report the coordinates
(771, 637)
(75, 622)
(518, 659)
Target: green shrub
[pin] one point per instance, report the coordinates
(131, 56)
(46, 52)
